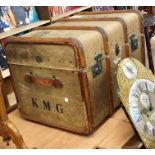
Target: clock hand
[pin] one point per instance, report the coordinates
(151, 108)
(129, 69)
(143, 111)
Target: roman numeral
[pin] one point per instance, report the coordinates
(140, 88)
(46, 105)
(145, 128)
(34, 102)
(139, 119)
(146, 86)
(135, 95)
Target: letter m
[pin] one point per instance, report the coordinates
(46, 105)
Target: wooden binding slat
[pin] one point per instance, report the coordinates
(100, 19)
(119, 11)
(75, 44)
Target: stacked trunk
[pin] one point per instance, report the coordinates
(68, 70)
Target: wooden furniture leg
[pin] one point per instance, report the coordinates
(7, 129)
(149, 50)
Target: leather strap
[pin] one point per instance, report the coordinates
(29, 78)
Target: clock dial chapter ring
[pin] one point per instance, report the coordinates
(129, 69)
(142, 107)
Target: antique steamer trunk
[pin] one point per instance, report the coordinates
(60, 78)
(134, 24)
(116, 47)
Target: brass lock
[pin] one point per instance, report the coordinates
(97, 68)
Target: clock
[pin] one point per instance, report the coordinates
(137, 93)
(129, 69)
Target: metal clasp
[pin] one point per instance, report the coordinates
(97, 68)
(134, 42)
(117, 49)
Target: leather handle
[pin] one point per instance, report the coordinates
(29, 78)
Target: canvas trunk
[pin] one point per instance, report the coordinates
(134, 28)
(115, 46)
(60, 78)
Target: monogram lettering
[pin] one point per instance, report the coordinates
(34, 102)
(59, 108)
(46, 105)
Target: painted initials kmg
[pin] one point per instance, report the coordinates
(46, 105)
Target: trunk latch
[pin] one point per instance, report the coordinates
(97, 68)
(134, 42)
(117, 49)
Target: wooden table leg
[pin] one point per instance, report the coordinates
(8, 129)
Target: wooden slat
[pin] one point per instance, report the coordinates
(119, 136)
(57, 17)
(22, 28)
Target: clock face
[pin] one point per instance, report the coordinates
(142, 107)
(129, 69)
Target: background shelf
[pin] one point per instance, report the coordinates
(57, 17)
(23, 28)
